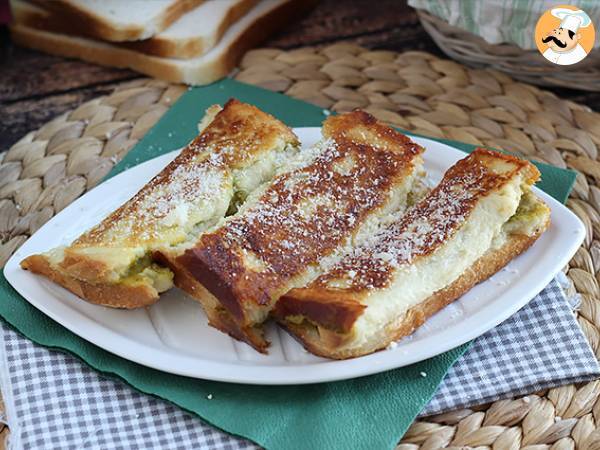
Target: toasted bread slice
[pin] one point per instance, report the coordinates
(240, 148)
(332, 196)
(474, 222)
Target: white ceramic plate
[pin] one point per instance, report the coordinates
(174, 336)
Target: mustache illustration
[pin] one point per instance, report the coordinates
(556, 41)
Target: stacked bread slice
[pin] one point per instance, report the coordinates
(338, 242)
(189, 41)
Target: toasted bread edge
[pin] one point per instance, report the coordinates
(113, 295)
(217, 318)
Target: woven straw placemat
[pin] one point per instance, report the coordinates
(52, 166)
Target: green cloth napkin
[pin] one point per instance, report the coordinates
(371, 412)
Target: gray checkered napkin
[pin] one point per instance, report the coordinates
(53, 401)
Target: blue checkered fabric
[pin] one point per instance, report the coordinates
(53, 401)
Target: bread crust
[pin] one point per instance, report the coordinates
(327, 344)
(217, 317)
(112, 295)
(237, 125)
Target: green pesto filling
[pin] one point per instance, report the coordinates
(138, 265)
(529, 209)
(161, 278)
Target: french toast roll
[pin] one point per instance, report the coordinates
(329, 198)
(239, 148)
(481, 215)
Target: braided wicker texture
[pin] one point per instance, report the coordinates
(526, 65)
(52, 166)
(49, 168)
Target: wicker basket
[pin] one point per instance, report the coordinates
(526, 65)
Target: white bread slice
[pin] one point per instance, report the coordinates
(260, 22)
(196, 32)
(118, 20)
(193, 34)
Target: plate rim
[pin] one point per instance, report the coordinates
(291, 374)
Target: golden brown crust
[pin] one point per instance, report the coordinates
(115, 295)
(361, 127)
(321, 306)
(332, 303)
(217, 317)
(443, 211)
(282, 249)
(326, 343)
(83, 267)
(521, 165)
(87, 23)
(238, 126)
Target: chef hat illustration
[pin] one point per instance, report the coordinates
(572, 19)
